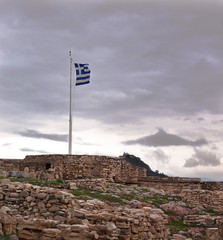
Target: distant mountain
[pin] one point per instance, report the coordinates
(136, 161)
(204, 179)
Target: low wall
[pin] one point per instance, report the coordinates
(171, 184)
(206, 198)
(98, 184)
(212, 224)
(9, 165)
(212, 186)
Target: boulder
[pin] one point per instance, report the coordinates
(17, 174)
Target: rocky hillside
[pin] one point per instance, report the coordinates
(88, 209)
(136, 161)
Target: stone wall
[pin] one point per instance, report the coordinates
(212, 224)
(41, 213)
(212, 186)
(113, 169)
(69, 167)
(171, 184)
(98, 184)
(208, 199)
(9, 165)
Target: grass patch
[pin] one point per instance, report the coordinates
(129, 197)
(212, 212)
(179, 225)
(6, 237)
(119, 187)
(144, 190)
(38, 182)
(82, 192)
(169, 213)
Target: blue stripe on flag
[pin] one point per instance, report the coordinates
(82, 78)
(82, 73)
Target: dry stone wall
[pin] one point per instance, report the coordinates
(171, 184)
(9, 165)
(41, 213)
(208, 199)
(98, 184)
(178, 184)
(212, 224)
(113, 169)
(70, 167)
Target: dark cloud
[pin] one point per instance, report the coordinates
(36, 134)
(177, 49)
(162, 138)
(32, 150)
(202, 158)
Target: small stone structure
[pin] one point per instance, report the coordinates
(70, 167)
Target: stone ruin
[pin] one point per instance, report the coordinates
(46, 213)
(71, 167)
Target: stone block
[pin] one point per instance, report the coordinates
(51, 232)
(4, 181)
(212, 234)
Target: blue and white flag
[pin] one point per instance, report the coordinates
(82, 74)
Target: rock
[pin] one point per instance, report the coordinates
(111, 226)
(178, 237)
(24, 194)
(54, 208)
(5, 209)
(51, 232)
(14, 237)
(4, 181)
(8, 223)
(1, 230)
(17, 174)
(175, 208)
(72, 185)
(212, 234)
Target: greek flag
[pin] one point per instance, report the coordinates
(82, 74)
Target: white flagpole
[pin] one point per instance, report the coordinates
(70, 117)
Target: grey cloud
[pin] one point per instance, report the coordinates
(161, 156)
(177, 49)
(202, 158)
(6, 144)
(201, 119)
(36, 134)
(162, 138)
(32, 150)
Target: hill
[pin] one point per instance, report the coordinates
(136, 161)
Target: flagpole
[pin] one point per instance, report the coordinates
(70, 116)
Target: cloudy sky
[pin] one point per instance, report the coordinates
(156, 86)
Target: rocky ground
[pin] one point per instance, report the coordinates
(184, 220)
(177, 210)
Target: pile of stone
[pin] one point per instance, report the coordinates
(35, 201)
(98, 184)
